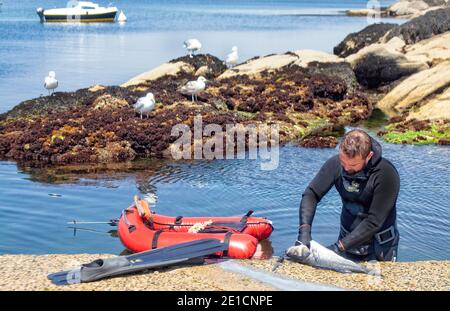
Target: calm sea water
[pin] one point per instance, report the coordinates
(36, 204)
(33, 219)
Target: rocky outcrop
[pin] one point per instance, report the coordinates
(305, 57)
(365, 12)
(60, 102)
(382, 63)
(300, 58)
(402, 9)
(406, 72)
(431, 26)
(432, 3)
(203, 64)
(387, 61)
(418, 90)
(434, 109)
(256, 65)
(206, 65)
(420, 108)
(100, 125)
(358, 40)
(423, 27)
(319, 142)
(165, 69)
(407, 8)
(340, 69)
(414, 8)
(431, 51)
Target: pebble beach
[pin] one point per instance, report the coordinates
(29, 273)
(395, 276)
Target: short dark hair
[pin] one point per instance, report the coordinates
(356, 142)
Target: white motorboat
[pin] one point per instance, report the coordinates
(78, 11)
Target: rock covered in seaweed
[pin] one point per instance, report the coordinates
(205, 65)
(319, 142)
(201, 65)
(301, 58)
(407, 8)
(418, 132)
(383, 63)
(423, 27)
(62, 101)
(342, 70)
(100, 124)
(382, 54)
(354, 42)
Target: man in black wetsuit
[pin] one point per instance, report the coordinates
(368, 185)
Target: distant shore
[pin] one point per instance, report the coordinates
(404, 9)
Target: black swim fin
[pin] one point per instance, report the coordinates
(188, 252)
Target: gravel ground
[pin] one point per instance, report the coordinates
(29, 272)
(420, 275)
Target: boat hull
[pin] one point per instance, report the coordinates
(83, 18)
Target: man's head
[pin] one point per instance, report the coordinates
(355, 151)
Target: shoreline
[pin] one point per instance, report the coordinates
(402, 9)
(395, 276)
(29, 272)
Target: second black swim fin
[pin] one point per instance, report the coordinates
(156, 258)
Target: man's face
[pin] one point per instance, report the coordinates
(355, 164)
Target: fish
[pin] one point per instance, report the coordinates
(321, 257)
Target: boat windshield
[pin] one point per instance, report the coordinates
(88, 8)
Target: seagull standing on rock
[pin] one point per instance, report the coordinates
(145, 104)
(232, 58)
(50, 82)
(192, 46)
(194, 87)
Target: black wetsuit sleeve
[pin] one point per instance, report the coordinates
(386, 188)
(315, 191)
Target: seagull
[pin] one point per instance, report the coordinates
(145, 104)
(194, 87)
(192, 46)
(233, 57)
(50, 82)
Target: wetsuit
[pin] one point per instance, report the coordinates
(368, 217)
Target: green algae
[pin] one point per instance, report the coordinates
(433, 135)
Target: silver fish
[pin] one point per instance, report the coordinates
(321, 257)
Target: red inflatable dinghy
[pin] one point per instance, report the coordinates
(140, 230)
